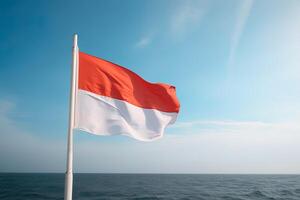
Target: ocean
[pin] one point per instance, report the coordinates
(14, 186)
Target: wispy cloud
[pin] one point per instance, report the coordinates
(21, 151)
(217, 147)
(236, 126)
(187, 15)
(219, 123)
(143, 42)
(5, 107)
(243, 12)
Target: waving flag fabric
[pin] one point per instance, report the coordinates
(113, 100)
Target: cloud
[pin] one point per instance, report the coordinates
(243, 13)
(22, 151)
(5, 107)
(236, 126)
(143, 42)
(187, 16)
(216, 124)
(216, 147)
(220, 123)
(197, 147)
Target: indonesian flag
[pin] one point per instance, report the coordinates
(113, 100)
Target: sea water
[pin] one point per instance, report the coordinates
(14, 186)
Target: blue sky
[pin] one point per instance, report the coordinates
(235, 64)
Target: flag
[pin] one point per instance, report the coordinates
(112, 100)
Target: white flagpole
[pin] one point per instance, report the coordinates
(69, 171)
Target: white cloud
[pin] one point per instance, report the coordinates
(243, 13)
(215, 147)
(219, 123)
(220, 147)
(187, 16)
(5, 106)
(21, 151)
(236, 126)
(143, 42)
(240, 146)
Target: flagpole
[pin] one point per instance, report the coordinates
(69, 170)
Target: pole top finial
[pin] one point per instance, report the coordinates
(75, 40)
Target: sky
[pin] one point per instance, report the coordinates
(235, 65)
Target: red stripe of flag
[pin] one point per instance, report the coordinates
(108, 79)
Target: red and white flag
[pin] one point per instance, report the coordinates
(113, 100)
